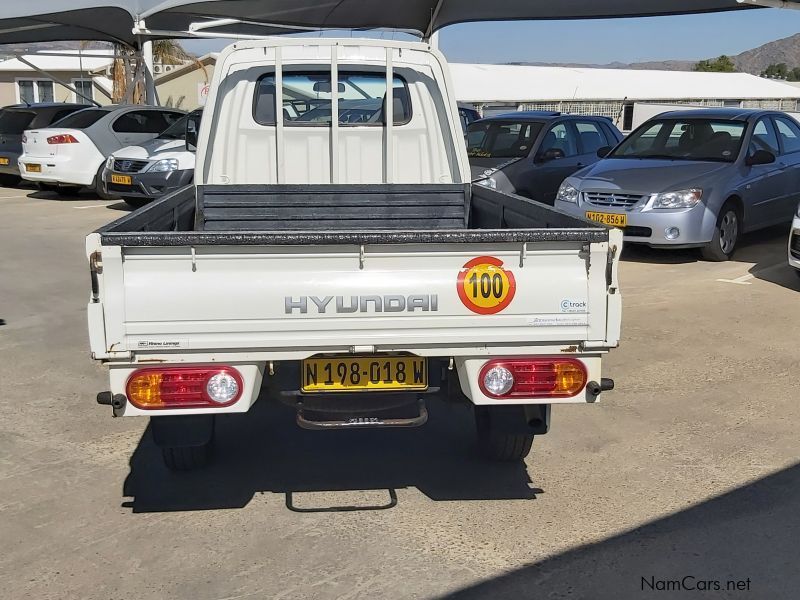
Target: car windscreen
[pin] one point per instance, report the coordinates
(14, 122)
(176, 131)
(684, 139)
(501, 139)
(81, 119)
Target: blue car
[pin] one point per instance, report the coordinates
(531, 153)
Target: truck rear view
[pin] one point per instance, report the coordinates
(333, 256)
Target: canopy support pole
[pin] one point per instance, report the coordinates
(279, 159)
(149, 82)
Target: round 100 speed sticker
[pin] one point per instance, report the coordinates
(484, 286)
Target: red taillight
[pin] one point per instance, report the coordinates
(63, 138)
(533, 378)
(184, 387)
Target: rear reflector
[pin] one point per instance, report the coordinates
(184, 387)
(62, 139)
(532, 378)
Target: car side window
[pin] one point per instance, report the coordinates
(764, 137)
(590, 136)
(141, 121)
(560, 137)
(789, 134)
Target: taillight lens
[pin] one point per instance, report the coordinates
(64, 138)
(184, 387)
(533, 378)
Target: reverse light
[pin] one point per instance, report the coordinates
(184, 387)
(567, 193)
(63, 138)
(532, 378)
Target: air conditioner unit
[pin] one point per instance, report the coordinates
(168, 68)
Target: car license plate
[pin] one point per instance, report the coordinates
(121, 179)
(364, 374)
(33, 168)
(613, 219)
(3, 160)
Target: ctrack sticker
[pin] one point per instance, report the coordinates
(484, 286)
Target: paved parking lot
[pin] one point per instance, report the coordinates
(690, 468)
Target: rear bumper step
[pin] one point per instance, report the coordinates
(307, 420)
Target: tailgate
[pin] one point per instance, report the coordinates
(309, 298)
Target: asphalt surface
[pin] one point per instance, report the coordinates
(690, 468)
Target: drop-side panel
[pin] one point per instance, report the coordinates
(335, 297)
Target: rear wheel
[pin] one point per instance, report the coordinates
(726, 235)
(500, 445)
(10, 180)
(136, 202)
(184, 458)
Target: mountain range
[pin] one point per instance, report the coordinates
(786, 50)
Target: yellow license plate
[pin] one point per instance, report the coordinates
(121, 179)
(364, 374)
(613, 219)
(3, 160)
(33, 168)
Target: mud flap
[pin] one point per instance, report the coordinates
(522, 419)
(182, 431)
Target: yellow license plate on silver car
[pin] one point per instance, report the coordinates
(613, 219)
(121, 179)
(364, 374)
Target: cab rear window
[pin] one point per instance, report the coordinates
(306, 99)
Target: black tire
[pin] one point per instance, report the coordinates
(187, 458)
(10, 180)
(136, 202)
(99, 188)
(497, 445)
(726, 235)
(69, 190)
(47, 187)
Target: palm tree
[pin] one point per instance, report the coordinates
(128, 70)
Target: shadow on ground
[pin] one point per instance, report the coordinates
(265, 451)
(749, 533)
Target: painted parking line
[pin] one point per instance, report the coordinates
(746, 279)
(93, 206)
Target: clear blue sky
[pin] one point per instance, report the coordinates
(603, 41)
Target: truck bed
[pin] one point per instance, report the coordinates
(345, 214)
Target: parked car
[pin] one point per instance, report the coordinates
(14, 120)
(695, 178)
(467, 115)
(73, 154)
(794, 243)
(143, 172)
(531, 153)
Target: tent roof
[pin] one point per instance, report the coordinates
(113, 20)
(520, 84)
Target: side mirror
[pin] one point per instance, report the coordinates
(550, 154)
(760, 157)
(192, 126)
(604, 151)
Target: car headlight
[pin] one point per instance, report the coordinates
(682, 199)
(164, 165)
(568, 193)
(489, 182)
(110, 162)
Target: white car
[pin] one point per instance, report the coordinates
(794, 243)
(71, 154)
(147, 171)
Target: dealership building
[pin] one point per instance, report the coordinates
(612, 93)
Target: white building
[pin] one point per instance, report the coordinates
(612, 92)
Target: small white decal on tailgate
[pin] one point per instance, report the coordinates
(161, 344)
(576, 321)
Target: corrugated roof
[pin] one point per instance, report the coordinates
(516, 83)
(61, 63)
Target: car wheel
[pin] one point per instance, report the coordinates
(726, 235)
(99, 188)
(498, 445)
(136, 202)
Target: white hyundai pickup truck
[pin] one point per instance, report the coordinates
(346, 266)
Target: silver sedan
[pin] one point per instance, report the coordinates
(694, 178)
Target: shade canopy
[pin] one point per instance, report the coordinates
(114, 20)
